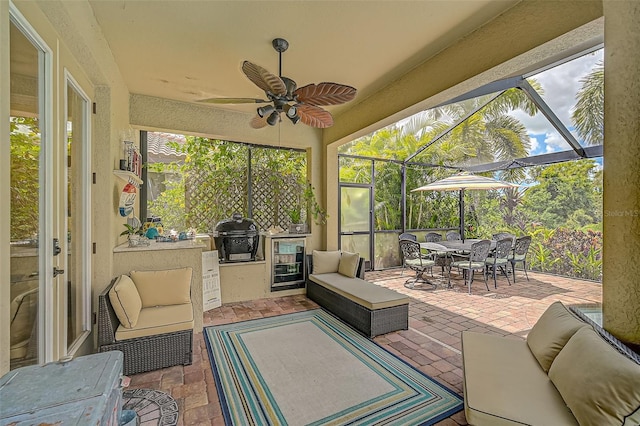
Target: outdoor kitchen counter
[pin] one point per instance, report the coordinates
(243, 281)
(158, 256)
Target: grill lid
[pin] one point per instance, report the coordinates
(236, 226)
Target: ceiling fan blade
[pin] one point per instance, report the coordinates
(258, 122)
(264, 79)
(325, 94)
(314, 116)
(233, 101)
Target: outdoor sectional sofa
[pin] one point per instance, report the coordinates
(336, 282)
(148, 315)
(568, 371)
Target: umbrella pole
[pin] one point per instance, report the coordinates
(461, 205)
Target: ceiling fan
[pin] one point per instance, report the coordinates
(298, 104)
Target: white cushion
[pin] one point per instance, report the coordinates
(125, 301)
(551, 332)
(600, 385)
(364, 293)
(163, 288)
(325, 261)
(348, 265)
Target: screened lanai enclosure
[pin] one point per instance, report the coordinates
(542, 131)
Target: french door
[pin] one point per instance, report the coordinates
(49, 205)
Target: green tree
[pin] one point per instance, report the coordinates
(565, 193)
(588, 114)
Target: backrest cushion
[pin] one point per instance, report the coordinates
(348, 265)
(552, 331)
(125, 301)
(325, 261)
(600, 385)
(163, 288)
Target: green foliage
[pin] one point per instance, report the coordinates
(564, 196)
(131, 230)
(212, 183)
(24, 187)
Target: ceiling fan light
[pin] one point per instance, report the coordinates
(273, 118)
(265, 110)
(294, 119)
(291, 110)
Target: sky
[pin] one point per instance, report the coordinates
(560, 85)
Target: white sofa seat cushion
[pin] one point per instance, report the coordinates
(360, 291)
(159, 320)
(504, 384)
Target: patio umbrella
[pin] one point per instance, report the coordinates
(462, 182)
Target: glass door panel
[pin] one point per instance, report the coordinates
(25, 185)
(355, 209)
(355, 220)
(77, 213)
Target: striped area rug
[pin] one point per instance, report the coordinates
(309, 368)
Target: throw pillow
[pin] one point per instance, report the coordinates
(126, 301)
(163, 288)
(325, 261)
(348, 265)
(598, 384)
(552, 331)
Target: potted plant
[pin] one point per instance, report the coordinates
(296, 226)
(135, 235)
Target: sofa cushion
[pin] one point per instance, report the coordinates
(504, 384)
(163, 288)
(362, 292)
(325, 261)
(348, 265)
(600, 385)
(159, 320)
(552, 331)
(126, 301)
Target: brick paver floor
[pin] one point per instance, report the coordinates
(431, 344)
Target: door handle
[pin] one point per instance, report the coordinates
(57, 271)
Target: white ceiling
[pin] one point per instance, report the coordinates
(189, 50)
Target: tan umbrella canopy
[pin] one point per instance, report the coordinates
(461, 182)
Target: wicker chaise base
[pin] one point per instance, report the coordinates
(369, 322)
(142, 353)
(154, 352)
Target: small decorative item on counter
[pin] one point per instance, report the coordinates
(152, 233)
(154, 222)
(165, 239)
(191, 233)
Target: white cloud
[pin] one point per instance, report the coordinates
(534, 144)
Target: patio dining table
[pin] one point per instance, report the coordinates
(460, 245)
(449, 248)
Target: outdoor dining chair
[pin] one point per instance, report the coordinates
(475, 262)
(417, 261)
(432, 237)
(519, 254)
(501, 235)
(453, 236)
(406, 236)
(500, 258)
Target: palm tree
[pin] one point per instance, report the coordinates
(588, 114)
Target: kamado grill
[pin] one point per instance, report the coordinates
(236, 239)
